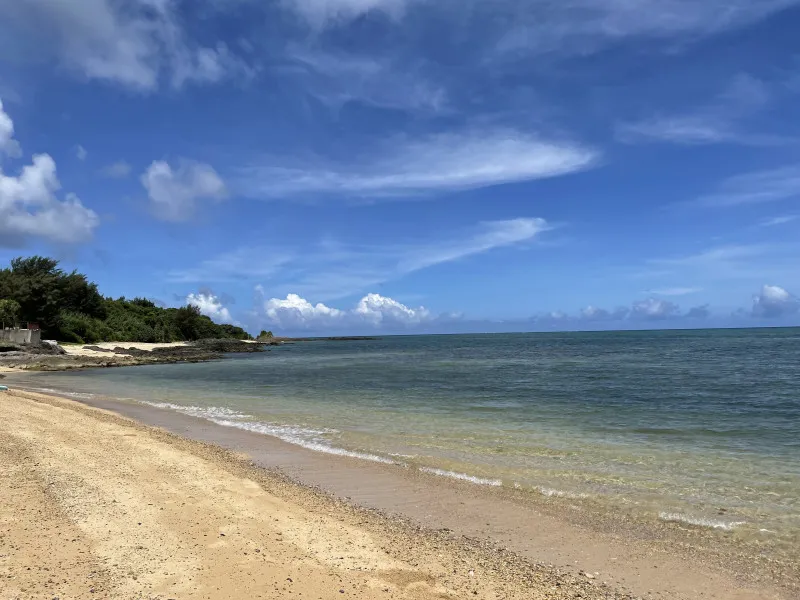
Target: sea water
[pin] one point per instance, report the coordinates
(700, 428)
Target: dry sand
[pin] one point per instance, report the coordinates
(80, 350)
(93, 505)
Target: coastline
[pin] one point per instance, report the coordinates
(546, 533)
(123, 354)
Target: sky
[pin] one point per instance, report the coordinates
(404, 166)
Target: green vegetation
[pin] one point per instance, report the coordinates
(264, 336)
(69, 308)
(9, 312)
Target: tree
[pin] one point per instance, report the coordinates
(265, 335)
(9, 312)
(188, 322)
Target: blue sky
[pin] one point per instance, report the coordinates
(408, 165)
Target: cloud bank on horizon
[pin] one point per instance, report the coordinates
(410, 165)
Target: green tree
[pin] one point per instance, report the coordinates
(9, 312)
(188, 322)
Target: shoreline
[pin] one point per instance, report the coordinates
(551, 531)
(304, 543)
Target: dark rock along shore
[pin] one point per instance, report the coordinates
(47, 357)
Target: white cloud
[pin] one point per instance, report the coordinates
(332, 270)
(236, 265)
(698, 312)
(676, 291)
(321, 13)
(758, 186)
(541, 25)
(8, 145)
(117, 170)
(335, 79)
(773, 301)
(771, 222)
(582, 26)
(211, 306)
(654, 309)
(135, 43)
(377, 309)
(714, 123)
(174, 192)
(592, 313)
(441, 163)
(29, 207)
(80, 152)
(295, 311)
(373, 310)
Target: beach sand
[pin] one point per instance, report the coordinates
(96, 505)
(81, 350)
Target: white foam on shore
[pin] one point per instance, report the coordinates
(699, 521)
(299, 436)
(307, 438)
(462, 476)
(204, 412)
(85, 395)
(554, 493)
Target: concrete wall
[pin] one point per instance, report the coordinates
(21, 336)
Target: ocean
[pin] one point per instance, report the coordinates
(701, 428)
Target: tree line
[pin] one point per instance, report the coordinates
(69, 308)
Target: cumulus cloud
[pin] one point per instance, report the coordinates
(174, 192)
(654, 309)
(773, 301)
(452, 161)
(136, 43)
(698, 312)
(211, 306)
(373, 310)
(30, 208)
(592, 313)
(117, 170)
(8, 145)
(377, 309)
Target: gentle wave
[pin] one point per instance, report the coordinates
(461, 476)
(204, 412)
(299, 436)
(63, 393)
(699, 521)
(554, 493)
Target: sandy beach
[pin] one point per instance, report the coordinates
(95, 506)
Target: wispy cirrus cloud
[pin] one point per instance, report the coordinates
(730, 262)
(438, 163)
(768, 185)
(248, 264)
(333, 270)
(541, 24)
(781, 220)
(717, 122)
(675, 291)
(336, 78)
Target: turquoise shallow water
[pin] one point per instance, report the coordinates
(699, 427)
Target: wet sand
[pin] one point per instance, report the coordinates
(91, 476)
